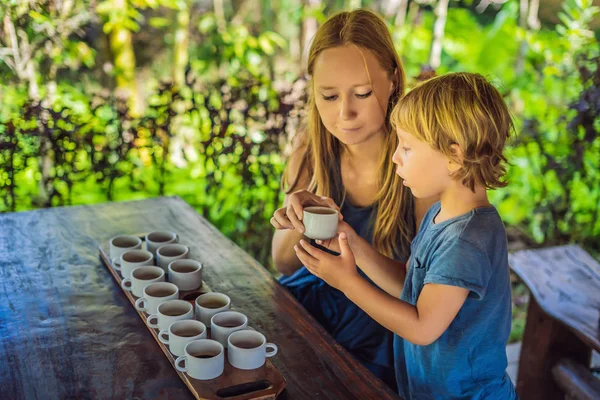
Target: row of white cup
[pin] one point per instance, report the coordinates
(175, 318)
(162, 249)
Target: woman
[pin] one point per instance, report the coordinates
(343, 160)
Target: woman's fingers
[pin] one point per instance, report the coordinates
(292, 215)
(281, 219)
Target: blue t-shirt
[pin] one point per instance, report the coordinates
(468, 361)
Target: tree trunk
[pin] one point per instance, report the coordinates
(441, 12)
(121, 45)
(181, 44)
(401, 14)
(309, 28)
(533, 20)
(220, 15)
(523, 13)
(354, 4)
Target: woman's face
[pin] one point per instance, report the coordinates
(350, 107)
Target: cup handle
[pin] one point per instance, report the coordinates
(176, 238)
(178, 360)
(272, 352)
(162, 338)
(116, 264)
(150, 324)
(138, 303)
(124, 283)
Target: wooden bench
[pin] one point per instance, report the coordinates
(563, 323)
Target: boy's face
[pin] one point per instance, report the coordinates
(424, 170)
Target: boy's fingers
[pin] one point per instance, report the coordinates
(313, 251)
(344, 246)
(306, 258)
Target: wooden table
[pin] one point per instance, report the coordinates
(67, 331)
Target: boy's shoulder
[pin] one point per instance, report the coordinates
(480, 227)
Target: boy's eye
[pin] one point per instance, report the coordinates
(330, 98)
(364, 96)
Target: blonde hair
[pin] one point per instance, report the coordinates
(394, 225)
(461, 109)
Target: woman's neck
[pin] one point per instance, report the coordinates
(367, 154)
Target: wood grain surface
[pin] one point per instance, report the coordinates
(69, 332)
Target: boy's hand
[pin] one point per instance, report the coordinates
(334, 243)
(335, 270)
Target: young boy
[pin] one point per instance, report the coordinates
(453, 316)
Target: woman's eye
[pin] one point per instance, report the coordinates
(406, 150)
(329, 98)
(364, 96)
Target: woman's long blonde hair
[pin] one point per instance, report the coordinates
(394, 225)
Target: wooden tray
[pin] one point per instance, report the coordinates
(234, 384)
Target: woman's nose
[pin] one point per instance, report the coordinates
(347, 110)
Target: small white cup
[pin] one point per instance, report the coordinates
(225, 323)
(186, 274)
(170, 311)
(133, 259)
(247, 349)
(156, 239)
(320, 222)
(120, 244)
(142, 277)
(209, 304)
(180, 333)
(204, 359)
(155, 294)
(170, 252)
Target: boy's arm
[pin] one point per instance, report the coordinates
(387, 273)
(436, 307)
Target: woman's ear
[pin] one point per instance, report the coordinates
(456, 162)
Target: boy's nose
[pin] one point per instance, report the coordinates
(396, 157)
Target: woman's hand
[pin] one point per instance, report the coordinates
(290, 217)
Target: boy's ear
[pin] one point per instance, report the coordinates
(455, 163)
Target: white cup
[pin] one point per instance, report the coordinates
(180, 333)
(225, 323)
(142, 277)
(170, 252)
(204, 359)
(186, 274)
(156, 239)
(120, 244)
(155, 294)
(209, 304)
(247, 349)
(133, 259)
(170, 311)
(320, 222)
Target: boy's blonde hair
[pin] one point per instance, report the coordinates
(463, 109)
